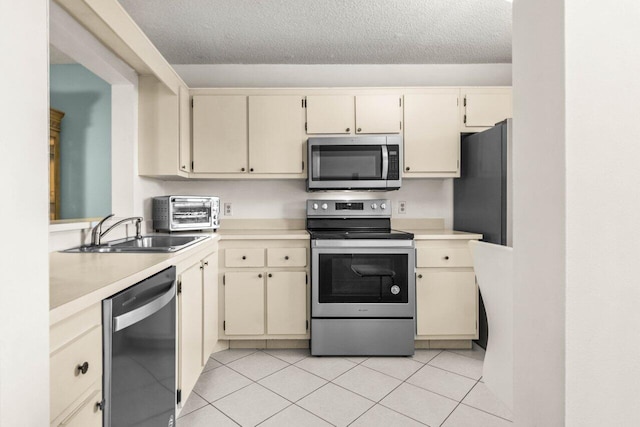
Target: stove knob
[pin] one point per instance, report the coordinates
(383, 206)
(325, 206)
(374, 206)
(395, 289)
(315, 206)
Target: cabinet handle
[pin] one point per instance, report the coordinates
(260, 276)
(206, 263)
(241, 169)
(348, 129)
(419, 276)
(83, 368)
(286, 257)
(251, 170)
(407, 168)
(270, 275)
(184, 167)
(359, 130)
(244, 257)
(446, 257)
(99, 406)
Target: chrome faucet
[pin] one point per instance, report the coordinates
(97, 234)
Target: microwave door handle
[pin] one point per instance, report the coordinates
(385, 162)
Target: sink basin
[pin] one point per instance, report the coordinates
(162, 243)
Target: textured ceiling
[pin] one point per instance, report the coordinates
(327, 31)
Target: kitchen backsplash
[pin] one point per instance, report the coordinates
(425, 198)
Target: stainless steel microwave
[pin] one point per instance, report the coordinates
(372, 162)
(182, 213)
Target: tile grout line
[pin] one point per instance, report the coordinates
(485, 411)
(459, 403)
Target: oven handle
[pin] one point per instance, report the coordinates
(385, 162)
(141, 313)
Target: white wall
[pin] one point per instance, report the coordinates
(24, 291)
(602, 209)
(539, 212)
(576, 203)
(287, 198)
(272, 75)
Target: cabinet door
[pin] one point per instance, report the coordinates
(190, 321)
(210, 305)
(431, 134)
(446, 302)
(220, 134)
(244, 303)
(485, 107)
(378, 114)
(286, 303)
(330, 114)
(276, 134)
(185, 129)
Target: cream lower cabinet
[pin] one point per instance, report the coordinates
(210, 305)
(190, 324)
(446, 291)
(264, 287)
(244, 303)
(197, 320)
(76, 370)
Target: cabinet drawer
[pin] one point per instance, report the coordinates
(67, 381)
(287, 257)
(443, 257)
(87, 414)
(244, 258)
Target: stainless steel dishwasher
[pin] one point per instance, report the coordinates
(139, 353)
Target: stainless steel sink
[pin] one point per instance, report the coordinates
(162, 243)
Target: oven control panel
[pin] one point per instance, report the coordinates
(349, 208)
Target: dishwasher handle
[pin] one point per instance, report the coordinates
(141, 313)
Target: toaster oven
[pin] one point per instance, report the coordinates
(183, 213)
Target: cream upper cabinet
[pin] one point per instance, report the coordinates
(220, 137)
(190, 328)
(286, 302)
(244, 303)
(431, 134)
(330, 114)
(276, 134)
(184, 125)
(210, 305)
(484, 107)
(378, 113)
(161, 132)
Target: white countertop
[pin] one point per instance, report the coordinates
(79, 280)
(442, 234)
(250, 234)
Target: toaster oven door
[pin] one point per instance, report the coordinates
(192, 213)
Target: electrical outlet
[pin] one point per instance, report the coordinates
(227, 209)
(402, 207)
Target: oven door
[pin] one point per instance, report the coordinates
(367, 278)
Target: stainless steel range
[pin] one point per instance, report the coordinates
(362, 280)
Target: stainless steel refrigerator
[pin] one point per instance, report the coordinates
(482, 194)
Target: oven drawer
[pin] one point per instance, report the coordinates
(443, 257)
(287, 257)
(244, 257)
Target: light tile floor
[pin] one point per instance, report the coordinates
(283, 388)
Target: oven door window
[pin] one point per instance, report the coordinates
(347, 162)
(363, 278)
